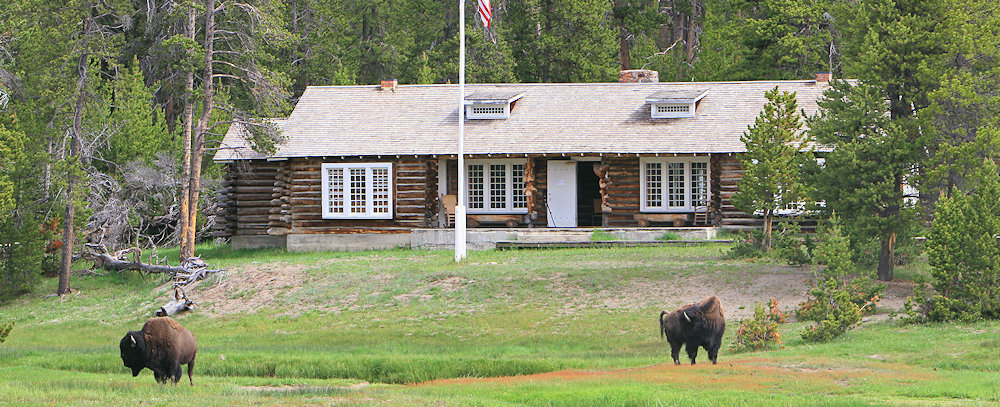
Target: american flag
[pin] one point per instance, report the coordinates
(485, 13)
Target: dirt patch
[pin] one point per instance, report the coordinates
(248, 289)
(739, 293)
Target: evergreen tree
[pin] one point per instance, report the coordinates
(963, 249)
(770, 178)
(769, 39)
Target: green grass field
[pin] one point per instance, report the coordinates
(534, 327)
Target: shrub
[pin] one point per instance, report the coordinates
(5, 330)
(924, 306)
(837, 301)
(963, 248)
(790, 246)
(761, 331)
(786, 244)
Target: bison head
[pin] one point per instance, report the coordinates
(133, 347)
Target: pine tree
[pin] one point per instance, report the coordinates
(770, 178)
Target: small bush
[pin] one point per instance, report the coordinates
(837, 301)
(924, 306)
(761, 331)
(786, 243)
(5, 330)
(830, 306)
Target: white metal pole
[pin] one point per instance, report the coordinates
(460, 207)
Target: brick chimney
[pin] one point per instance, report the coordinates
(389, 84)
(638, 76)
(823, 77)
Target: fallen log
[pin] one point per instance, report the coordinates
(188, 272)
(178, 303)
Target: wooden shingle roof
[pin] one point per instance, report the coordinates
(549, 118)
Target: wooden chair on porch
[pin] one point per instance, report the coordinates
(449, 202)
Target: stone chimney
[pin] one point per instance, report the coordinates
(389, 84)
(823, 77)
(638, 76)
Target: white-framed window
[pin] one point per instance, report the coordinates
(673, 184)
(357, 190)
(496, 186)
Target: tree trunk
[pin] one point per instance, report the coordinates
(624, 60)
(887, 257)
(74, 153)
(187, 248)
(768, 220)
(203, 122)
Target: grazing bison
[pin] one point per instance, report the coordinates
(694, 325)
(163, 346)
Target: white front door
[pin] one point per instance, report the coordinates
(561, 196)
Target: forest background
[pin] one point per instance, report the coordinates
(107, 107)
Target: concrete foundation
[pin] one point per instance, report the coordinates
(478, 238)
(256, 242)
(485, 239)
(347, 242)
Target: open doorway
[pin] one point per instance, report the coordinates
(588, 195)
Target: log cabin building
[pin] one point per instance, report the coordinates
(366, 166)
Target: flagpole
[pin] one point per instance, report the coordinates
(460, 235)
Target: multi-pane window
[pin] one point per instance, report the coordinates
(676, 184)
(496, 186)
(517, 184)
(699, 183)
(357, 190)
(476, 194)
(654, 184)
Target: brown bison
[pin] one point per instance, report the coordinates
(163, 346)
(694, 325)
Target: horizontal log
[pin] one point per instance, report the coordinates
(279, 231)
(252, 218)
(253, 204)
(331, 230)
(240, 190)
(253, 197)
(247, 211)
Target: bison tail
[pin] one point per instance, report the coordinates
(663, 330)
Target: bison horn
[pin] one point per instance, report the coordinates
(686, 316)
(133, 339)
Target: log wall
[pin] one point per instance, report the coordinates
(245, 199)
(414, 183)
(621, 191)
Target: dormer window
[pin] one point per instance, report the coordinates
(490, 104)
(672, 104)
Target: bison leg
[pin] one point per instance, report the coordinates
(190, 368)
(692, 350)
(675, 352)
(176, 373)
(713, 352)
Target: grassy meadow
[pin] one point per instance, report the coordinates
(562, 327)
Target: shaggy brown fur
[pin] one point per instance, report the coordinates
(162, 345)
(694, 325)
